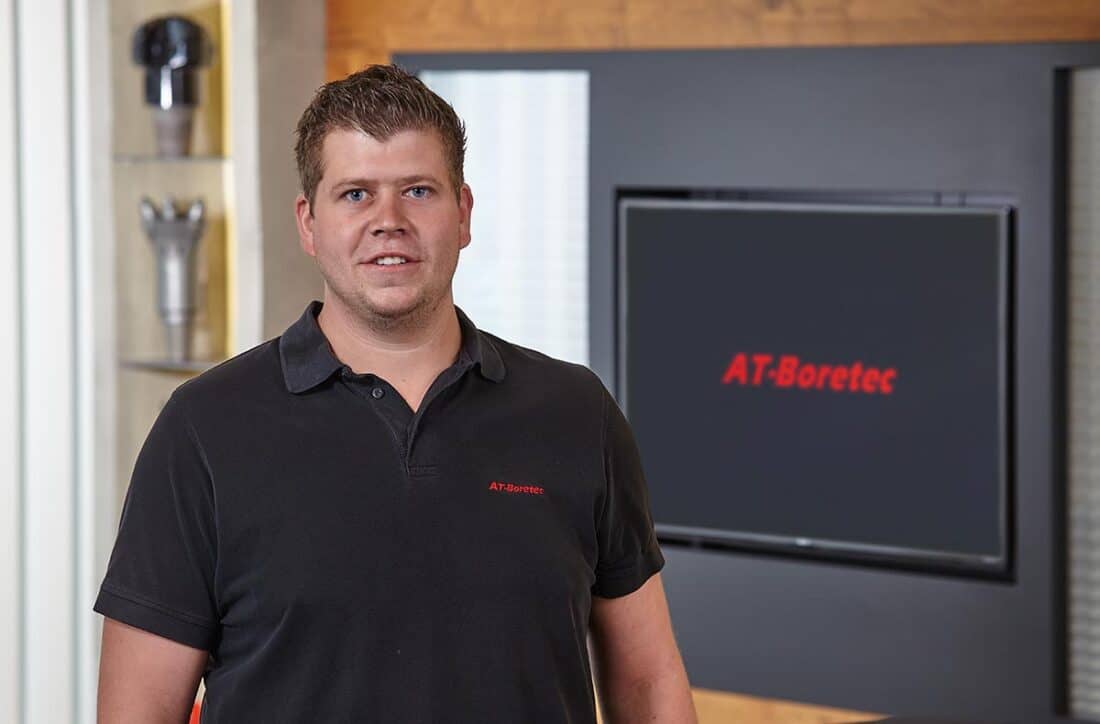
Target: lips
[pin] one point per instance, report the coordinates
(409, 258)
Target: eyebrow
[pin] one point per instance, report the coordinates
(403, 181)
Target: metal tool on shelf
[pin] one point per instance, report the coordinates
(175, 233)
(172, 49)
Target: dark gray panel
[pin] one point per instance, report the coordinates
(979, 119)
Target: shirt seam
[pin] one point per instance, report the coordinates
(194, 435)
(627, 567)
(140, 600)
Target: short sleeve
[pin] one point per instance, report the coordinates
(628, 550)
(160, 577)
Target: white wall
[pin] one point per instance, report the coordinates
(524, 275)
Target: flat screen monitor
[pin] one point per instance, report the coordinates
(821, 379)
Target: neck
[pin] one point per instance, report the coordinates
(408, 357)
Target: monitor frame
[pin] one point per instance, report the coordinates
(1000, 566)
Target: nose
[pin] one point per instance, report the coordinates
(388, 217)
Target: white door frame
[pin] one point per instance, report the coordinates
(56, 354)
(10, 386)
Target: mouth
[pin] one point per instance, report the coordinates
(390, 260)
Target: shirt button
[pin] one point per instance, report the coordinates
(377, 393)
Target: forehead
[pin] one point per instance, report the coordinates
(347, 152)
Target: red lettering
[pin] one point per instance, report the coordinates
(854, 373)
(738, 370)
(760, 364)
(788, 365)
(513, 488)
(785, 371)
(806, 376)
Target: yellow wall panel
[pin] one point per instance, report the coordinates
(361, 33)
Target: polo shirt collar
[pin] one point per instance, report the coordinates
(308, 359)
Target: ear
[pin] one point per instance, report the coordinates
(303, 214)
(465, 208)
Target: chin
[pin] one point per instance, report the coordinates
(390, 307)
(396, 311)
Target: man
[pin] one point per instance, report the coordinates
(386, 514)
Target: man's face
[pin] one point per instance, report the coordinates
(385, 226)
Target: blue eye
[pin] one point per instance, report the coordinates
(355, 195)
(420, 192)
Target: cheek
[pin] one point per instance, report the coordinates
(334, 238)
(447, 228)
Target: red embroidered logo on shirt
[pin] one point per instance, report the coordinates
(498, 487)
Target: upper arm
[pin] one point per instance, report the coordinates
(632, 635)
(146, 678)
(639, 673)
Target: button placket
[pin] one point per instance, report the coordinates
(391, 409)
(447, 378)
(403, 423)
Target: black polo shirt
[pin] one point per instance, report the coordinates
(346, 559)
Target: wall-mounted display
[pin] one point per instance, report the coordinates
(822, 378)
(175, 233)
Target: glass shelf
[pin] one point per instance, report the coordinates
(131, 159)
(184, 367)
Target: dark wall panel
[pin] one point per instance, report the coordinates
(980, 119)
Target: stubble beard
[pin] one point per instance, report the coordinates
(414, 316)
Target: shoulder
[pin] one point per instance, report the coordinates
(540, 370)
(557, 392)
(253, 374)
